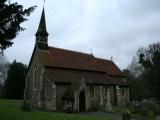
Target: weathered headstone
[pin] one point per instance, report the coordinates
(144, 107)
(156, 109)
(26, 106)
(135, 107)
(132, 109)
(126, 116)
(157, 118)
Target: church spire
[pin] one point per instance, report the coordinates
(42, 25)
(42, 34)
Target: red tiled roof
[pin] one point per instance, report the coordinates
(57, 57)
(59, 75)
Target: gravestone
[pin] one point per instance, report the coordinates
(126, 116)
(156, 109)
(157, 118)
(135, 107)
(144, 107)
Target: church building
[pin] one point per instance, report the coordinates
(63, 80)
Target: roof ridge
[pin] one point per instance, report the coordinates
(81, 53)
(103, 59)
(72, 51)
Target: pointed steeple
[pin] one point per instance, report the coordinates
(42, 25)
(42, 34)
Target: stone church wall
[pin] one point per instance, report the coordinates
(37, 83)
(124, 96)
(60, 91)
(98, 99)
(112, 94)
(93, 97)
(33, 88)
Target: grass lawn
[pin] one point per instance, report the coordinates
(11, 110)
(121, 109)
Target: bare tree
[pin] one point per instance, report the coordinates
(4, 67)
(135, 68)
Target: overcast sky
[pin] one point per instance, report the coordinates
(114, 28)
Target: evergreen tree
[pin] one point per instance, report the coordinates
(144, 73)
(149, 58)
(11, 16)
(15, 83)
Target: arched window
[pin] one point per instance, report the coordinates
(105, 91)
(41, 79)
(48, 89)
(53, 91)
(35, 76)
(53, 96)
(122, 91)
(54, 104)
(92, 93)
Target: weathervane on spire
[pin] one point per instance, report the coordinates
(91, 51)
(111, 58)
(43, 3)
(9, 2)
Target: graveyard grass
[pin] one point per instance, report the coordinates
(11, 110)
